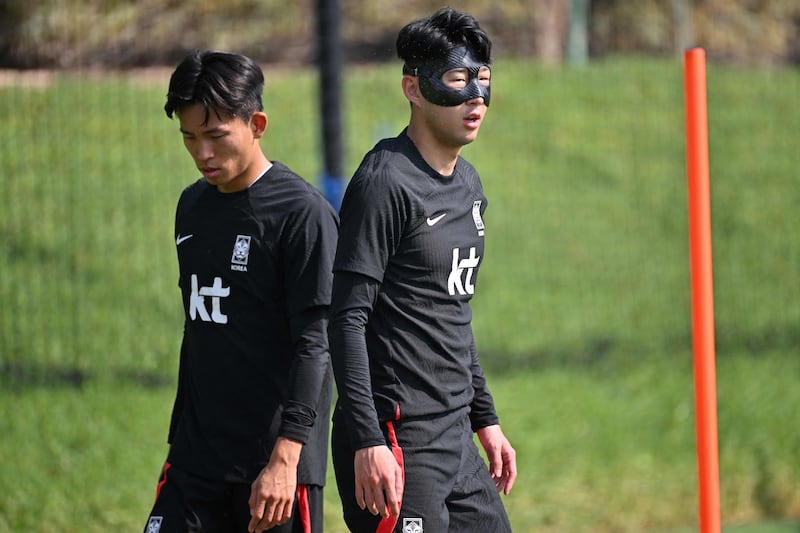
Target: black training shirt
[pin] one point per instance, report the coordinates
(255, 276)
(410, 244)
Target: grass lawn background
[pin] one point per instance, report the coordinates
(581, 317)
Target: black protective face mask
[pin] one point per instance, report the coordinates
(434, 89)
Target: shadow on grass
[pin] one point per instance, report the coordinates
(19, 376)
(596, 351)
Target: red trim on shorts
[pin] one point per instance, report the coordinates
(386, 525)
(304, 508)
(162, 479)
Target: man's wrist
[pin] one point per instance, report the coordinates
(286, 450)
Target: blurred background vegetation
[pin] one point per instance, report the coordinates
(126, 33)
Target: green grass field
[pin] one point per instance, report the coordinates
(582, 315)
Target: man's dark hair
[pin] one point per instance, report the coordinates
(430, 39)
(224, 83)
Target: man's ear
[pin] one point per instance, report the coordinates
(411, 89)
(258, 124)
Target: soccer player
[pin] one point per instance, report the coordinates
(255, 243)
(411, 388)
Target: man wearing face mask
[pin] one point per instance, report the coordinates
(411, 241)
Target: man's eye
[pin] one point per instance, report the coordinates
(455, 80)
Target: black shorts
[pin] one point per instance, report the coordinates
(189, 504)
(447, 483)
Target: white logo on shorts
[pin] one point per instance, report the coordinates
(412, 525)
(154, 525)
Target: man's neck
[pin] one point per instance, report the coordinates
(441, 158)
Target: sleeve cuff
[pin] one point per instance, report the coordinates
(295, 432)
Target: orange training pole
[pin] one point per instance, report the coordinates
(702, 289)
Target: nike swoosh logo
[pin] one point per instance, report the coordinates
(180, 239)
(433, 220)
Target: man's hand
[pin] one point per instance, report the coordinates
(379, 481)
(502, 457)
(273, 492)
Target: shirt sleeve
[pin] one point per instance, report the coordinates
(310, 246)
(308, 374)
(482, 411)
(375, 212)
(353, 299)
